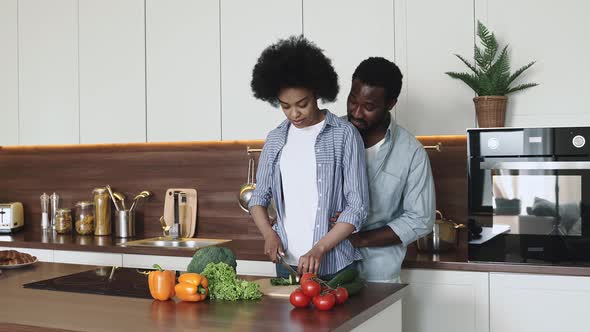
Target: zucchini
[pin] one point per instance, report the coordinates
(343, 277)
(354, 287)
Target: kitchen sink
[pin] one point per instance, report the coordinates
(168, 242)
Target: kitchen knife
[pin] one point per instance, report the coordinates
(287, 266)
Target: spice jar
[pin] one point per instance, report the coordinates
(102, 213)
(63, 221)
(85, 218)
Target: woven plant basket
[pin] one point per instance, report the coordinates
(490, 111)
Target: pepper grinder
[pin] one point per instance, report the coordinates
(44, 211)
(54, 198)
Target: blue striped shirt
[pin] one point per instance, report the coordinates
(341, 181)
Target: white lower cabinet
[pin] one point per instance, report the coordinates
(43, 255)
(528, 302)
(258, 268)
(87, 258)
(147, 261)
(390, 320)
(445, 301)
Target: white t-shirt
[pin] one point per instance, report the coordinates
(300, 192)
(371, 153)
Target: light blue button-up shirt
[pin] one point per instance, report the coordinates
(402, 197)
(341, 184)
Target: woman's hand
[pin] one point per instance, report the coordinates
(310, 262)
(273, 245)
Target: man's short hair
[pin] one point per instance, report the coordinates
(380, 72)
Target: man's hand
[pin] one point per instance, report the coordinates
(383, 236)
(355, 239)
(272, 246)
(310, 262)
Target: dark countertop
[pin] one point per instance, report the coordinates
(253, 250)
(244, 249)
(457, 261)
(33, 309)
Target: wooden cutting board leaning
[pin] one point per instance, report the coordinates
(187, 210)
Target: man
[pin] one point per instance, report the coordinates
(401, 188)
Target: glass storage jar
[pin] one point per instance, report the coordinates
(63, 221)
(102, 212)
(84, 218)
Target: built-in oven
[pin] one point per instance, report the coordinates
(529, 193)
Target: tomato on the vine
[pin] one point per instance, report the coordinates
(311, 288)
(298, 299)
(307, 276)
(341, 295)
(324, 301)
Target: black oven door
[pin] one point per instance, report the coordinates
(534, 210)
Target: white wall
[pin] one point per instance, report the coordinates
(91, 71)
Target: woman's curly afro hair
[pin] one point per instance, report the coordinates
(293, 63)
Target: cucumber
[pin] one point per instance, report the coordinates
(354, 287)
(343, 277)
(283, 281)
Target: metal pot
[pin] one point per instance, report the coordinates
(443, 237)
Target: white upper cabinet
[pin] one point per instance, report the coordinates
(112, 71)
(9, 70)
(349, 32)
(427, 34)
(555, 34)
(247, 28)
(183, 70)
(48, 71)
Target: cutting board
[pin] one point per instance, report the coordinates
(279, 291)
(187, 212)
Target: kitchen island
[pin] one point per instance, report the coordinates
(45, 310)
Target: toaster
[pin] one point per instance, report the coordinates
(11, 217)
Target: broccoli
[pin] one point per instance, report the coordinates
(213, 254)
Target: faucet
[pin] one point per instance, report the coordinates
(165, 227)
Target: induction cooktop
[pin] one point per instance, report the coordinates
(112, 281)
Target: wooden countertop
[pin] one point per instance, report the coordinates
(32, 309)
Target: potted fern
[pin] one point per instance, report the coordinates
(491, 79)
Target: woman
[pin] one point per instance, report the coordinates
(312, 164)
